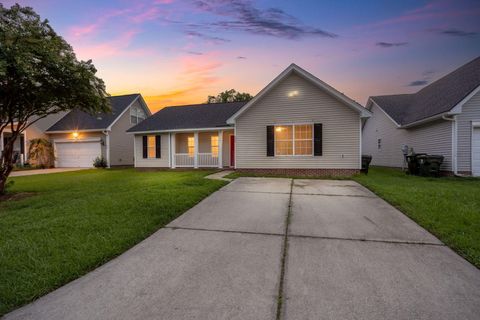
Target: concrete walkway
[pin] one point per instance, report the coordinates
(220, 175)
(265, 248)
(43, 171)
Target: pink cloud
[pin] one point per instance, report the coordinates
(115, 47)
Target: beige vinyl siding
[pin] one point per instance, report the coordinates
(379, 126)
(341, 127)
(152, 162)
(121, 143)
(432, 138)
(470, 113)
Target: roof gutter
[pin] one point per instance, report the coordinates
(422, 121)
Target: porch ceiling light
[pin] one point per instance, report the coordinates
(75, 135)
(293, 93)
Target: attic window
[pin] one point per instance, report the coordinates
(137, 115)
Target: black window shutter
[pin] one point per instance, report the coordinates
(22, 144)
(317, 139)
(158, 147)
(145, 149)
(270, 141)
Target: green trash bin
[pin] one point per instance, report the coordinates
(429, 165)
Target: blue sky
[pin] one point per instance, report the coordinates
(176, 52)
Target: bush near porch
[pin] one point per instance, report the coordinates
(63, 225)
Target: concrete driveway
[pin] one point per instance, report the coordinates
(265, 248)
(43, 171)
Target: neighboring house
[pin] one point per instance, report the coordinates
(35, 131)
(78, 137)
(443, 118)
(297, 124)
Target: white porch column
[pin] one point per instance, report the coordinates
(220, 148)
(195, 148)
(173, 150)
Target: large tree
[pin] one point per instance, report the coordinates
(39, 75)
(229, 96)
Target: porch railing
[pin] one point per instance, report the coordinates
(207, 160)
(204, 160)
(184, 160)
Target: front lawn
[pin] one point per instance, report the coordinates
(63, 225)
(448, 207)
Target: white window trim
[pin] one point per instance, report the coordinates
(293, 141)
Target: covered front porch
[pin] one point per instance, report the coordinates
(19, 146)
(203, 149)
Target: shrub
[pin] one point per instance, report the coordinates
(100, 162)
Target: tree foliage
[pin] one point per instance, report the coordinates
(39, 75)
(229, 96)
(40, 153)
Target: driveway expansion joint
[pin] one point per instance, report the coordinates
(369, 240)
(246, 191)
(283, 260)
(225, 231)
(333, 195)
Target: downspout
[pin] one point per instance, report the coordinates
(454, 143)
(107, 146)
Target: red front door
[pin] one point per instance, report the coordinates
(232, 151)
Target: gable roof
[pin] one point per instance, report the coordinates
(196, 116)
(79, 120)
(293, 68)
(437, 98)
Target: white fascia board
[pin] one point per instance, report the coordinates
(364, 113)
(70, 131)
(182, 130)
(76, 140)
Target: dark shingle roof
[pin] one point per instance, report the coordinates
(210, 115)
(437, 98)
(79, 120)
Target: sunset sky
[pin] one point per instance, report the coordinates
(177, 52)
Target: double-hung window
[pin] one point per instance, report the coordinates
(214, 145)
(151, 147)
(294, 140)
(191, 146)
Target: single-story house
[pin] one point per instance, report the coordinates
(443, 118)
(79, 137)
(297, 124)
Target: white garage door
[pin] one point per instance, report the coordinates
(476, 151)
(77, 154)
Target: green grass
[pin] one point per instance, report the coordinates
(448, 207)
(76, 221)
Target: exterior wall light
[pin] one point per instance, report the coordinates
(75, 135)
(293, 93)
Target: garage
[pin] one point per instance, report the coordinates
(476, 151)
(77, 154)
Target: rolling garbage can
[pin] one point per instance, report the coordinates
(429, 165)
(412, 161)
(366, 159)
